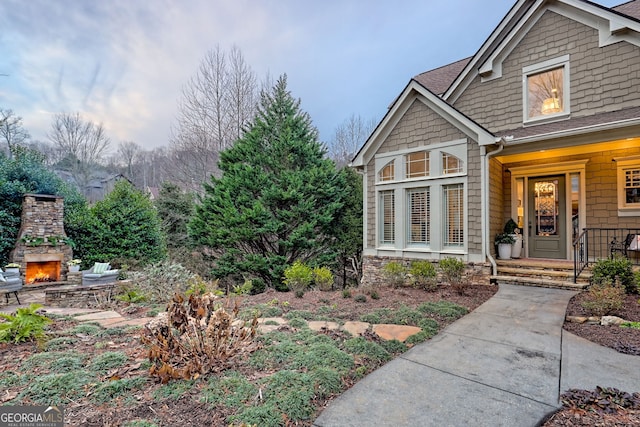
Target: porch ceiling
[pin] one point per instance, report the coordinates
(540, 151)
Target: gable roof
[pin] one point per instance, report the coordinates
(412, 92)
(438, 80)
(631, 8)
(613, 26)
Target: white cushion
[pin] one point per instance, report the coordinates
(2, 279)
(100, 267)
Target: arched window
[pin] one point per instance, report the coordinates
(451, 164)
(387, 173)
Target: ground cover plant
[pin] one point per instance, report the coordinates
(102, 377)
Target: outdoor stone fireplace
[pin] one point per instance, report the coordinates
(42, 249)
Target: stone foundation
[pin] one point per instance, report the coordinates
(372, 273)
(80, 296)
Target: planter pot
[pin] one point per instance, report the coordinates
(504, 250)
(74, 268)
(516, 248)
(13, 270)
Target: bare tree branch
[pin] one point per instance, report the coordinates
(83, 143)
(217, 102)
(12, 131)
(349, 136)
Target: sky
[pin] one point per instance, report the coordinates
(123, 63)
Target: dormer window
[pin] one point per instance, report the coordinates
(387, 173)
(546, 90)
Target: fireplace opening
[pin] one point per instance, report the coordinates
(42, 272)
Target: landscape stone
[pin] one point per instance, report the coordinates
(611, 320)
(390, 332)
(577, 319)
(318, 325)
(355, 328)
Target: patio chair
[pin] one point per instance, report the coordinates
(630, 244)
(99, 274)
(10, 283)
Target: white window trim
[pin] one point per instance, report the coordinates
(623, 164)
(427, 243)
(435, 182)
(380, 220)
(562, 61)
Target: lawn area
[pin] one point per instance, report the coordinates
(286, 377)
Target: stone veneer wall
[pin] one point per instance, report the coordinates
(42, 217)
(372, 275)
(80, 296)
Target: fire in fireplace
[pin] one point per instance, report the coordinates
(41, 272)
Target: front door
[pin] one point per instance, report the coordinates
(547, 217)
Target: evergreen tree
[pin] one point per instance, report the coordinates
(348, 230)
(127, 228)
(278, 197)
(175, 209)
(25, 173)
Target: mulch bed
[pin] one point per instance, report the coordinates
(623, 340)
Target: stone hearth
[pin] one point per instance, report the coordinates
(41, 249)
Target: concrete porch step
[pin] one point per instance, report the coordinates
(539, 282)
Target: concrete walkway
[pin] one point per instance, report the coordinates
(504, 364)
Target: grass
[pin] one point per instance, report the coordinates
(106, 361)
(57, 389)
(114, 389)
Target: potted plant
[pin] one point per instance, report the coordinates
(12, 268)
(74, 265)
(504, 242)
(511, 227)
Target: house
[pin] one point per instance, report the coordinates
(541, 125)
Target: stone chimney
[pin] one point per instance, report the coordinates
(42, 249)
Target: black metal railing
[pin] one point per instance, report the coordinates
(596, 243)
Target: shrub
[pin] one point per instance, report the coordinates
(615, 269)
(360, 298)
(130, 294)
(25, 325)
(257, 286)
(424, 275)
(298, 276)
(395, 273)
(374, 295)
(299, 293)
(452, 269)
(604, 298)
(323, 278)
(346, 293)
(158, 282)
(198, 338)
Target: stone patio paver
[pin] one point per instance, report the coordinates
(390, 332)
(318, 325)
(100, 315)
(356, 328)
